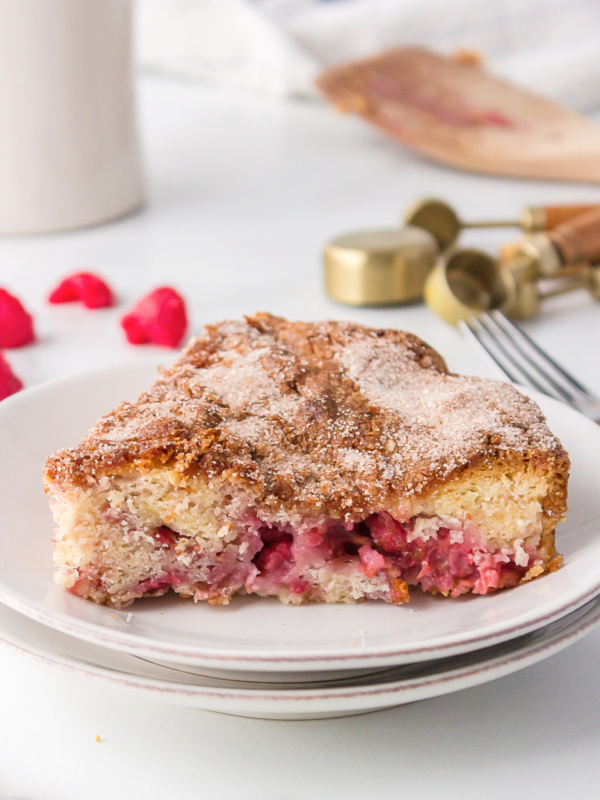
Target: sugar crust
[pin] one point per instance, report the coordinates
(327, 417)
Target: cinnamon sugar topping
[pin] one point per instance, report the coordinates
(330, 416)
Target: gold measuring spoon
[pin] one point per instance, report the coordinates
(444, 224)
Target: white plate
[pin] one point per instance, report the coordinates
(319, 700)
(261, 634)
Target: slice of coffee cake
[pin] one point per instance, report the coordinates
(313, 462)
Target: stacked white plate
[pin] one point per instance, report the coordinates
(257, 657)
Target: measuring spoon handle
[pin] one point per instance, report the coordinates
(547, 218)
(578, 239)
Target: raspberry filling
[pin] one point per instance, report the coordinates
(436, 556)
(441, 559)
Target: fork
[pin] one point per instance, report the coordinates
(524, 362)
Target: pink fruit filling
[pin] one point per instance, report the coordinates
(267, 560)
(446, 560)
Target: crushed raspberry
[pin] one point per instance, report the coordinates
(91, 290)
(313, 537)
(270, 534)
(274, 556)
(165, 536)
(160, 584)
(159, 318)
(299, 586)
(9, 383)
(371, 561)
(387, 533)
(440, 564)
(16, 325)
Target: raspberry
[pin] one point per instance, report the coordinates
(90, 289)
(9, 383)
(16, 325)
(158, 318)
(371, 561)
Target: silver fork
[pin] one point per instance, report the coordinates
(523, 361)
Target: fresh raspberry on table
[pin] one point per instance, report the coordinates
(159, 318)
(16, 324)
(86, 287)
(9, 383)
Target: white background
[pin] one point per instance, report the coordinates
(243, 192)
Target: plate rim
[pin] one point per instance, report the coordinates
(403, 690)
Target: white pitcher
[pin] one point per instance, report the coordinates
(69, 152)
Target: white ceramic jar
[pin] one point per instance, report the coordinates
(69, 152)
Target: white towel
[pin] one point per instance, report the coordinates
(550, 46)
(229, 41)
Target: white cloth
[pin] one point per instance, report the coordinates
(551, 46)
(229, 41)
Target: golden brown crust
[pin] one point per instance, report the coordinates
(331, 417)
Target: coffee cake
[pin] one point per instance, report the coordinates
(312, 462)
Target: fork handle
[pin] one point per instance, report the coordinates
(578, 240)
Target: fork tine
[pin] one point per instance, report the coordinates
(522, 341)
(474, 330)
(523, 361)
(507, 357)
(532, 369)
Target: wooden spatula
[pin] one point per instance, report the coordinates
(459, 114)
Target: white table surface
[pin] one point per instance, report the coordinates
(243, 191)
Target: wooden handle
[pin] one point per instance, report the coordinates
(578, 240)
(556, 215)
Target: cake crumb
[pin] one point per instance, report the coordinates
(468, 57)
